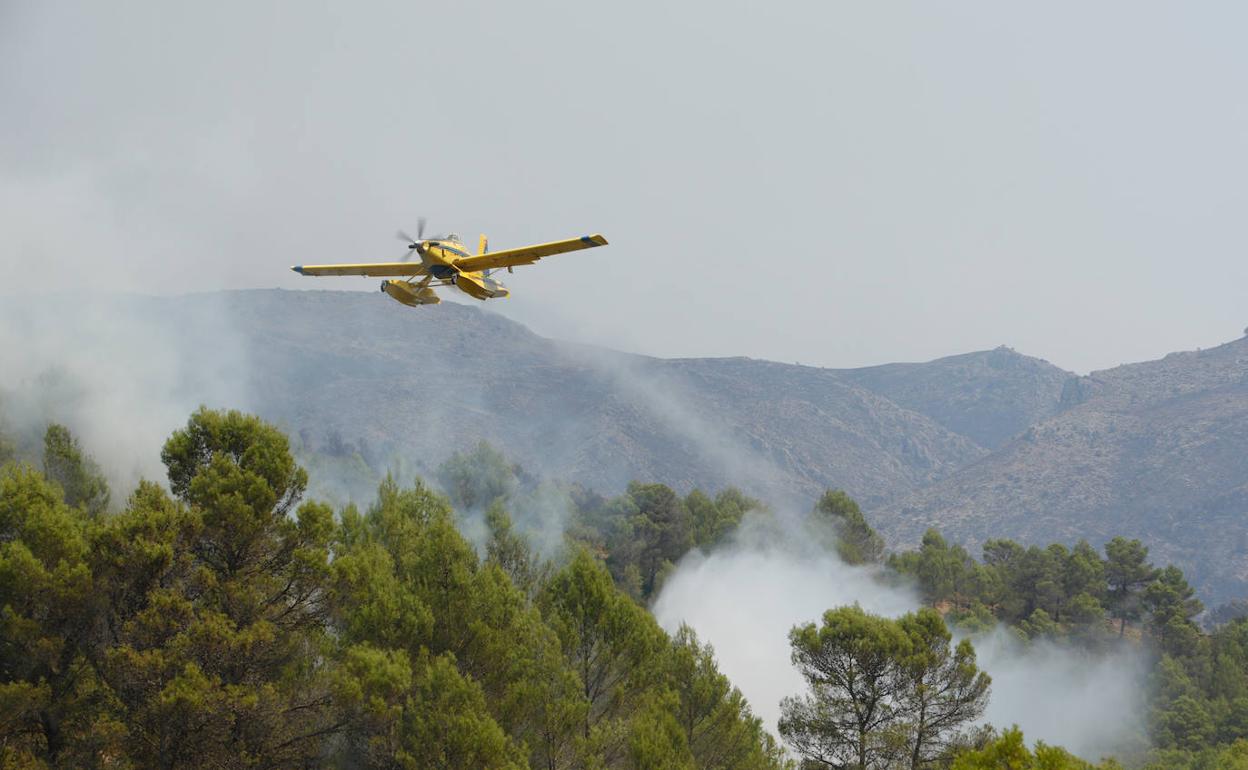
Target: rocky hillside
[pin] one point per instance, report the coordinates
(986, 444)
(989, 396)
(423, 384)
(1157, 450)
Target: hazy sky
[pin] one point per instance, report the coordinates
(832, 183)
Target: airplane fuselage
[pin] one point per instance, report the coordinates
(439, 258)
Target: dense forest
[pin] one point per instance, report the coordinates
(220, 619)
(227, 623)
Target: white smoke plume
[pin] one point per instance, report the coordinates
(541, 514)
(744, 598)
(713, 448)
(1091, 704)
(121, 372)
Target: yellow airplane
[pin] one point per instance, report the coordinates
(444, 261)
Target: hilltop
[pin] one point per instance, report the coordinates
(431, 382)
(1158, 450)
(984, 444)
(989, 443)
(989, 396)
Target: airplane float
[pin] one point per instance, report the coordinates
(445, 261)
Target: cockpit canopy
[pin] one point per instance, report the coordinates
(452, 237)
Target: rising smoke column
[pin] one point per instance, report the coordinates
(744, 598)
(122, 372)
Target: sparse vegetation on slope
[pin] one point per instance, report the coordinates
(989, 396)
(1159, 449)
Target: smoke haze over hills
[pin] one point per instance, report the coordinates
(350, 373)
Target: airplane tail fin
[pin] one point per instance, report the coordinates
(483, 246)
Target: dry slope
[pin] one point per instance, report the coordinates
(1157, 450)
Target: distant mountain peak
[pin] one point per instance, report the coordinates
(987, 395)
(1156, 450)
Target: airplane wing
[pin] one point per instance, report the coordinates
(527, 255)
(378, 269)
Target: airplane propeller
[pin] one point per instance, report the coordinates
(414, 244)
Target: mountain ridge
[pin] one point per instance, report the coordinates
(578, 411)
(984, 444)
(1155, 449)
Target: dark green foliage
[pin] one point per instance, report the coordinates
(1052, 591)
(663, 528)
(641, 533)
(943, 688)
(510, 550)
(1084, 572)
(857, 542)
(945, 573)
(714, 520)
(475, 479)
(854, 657)
(645, 531)
(78, 476)
(1127, 571)
(1200, 684)
(605, 639)
(718, 726)
(1184, 723)
(211, 664)
(655, 740)
(446, 723)
(1171, 606)
(47, 691)
(234, 625)
(1232, 756)
(883, 693)
(1009, 751)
